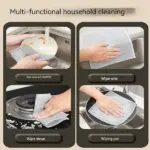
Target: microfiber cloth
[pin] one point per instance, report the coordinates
(116, 37)
(24, 51)
(40, 101)
(127, 105)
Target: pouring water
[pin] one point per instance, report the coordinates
(47, 35)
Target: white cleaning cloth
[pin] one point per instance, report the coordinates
(40, 101)
(127, 105)
(23, 51)
(116, 37)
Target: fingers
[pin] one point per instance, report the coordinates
(115, 110)
(103, 45)
(114, 113)
(12, 40)
(43, 114)
(47, 105)
(25, 36)
(112, 108)
(105, 111)
(34, 57)
(113, 50)
(41, 64)
(32, 62)
(47, 113)
(118, 106)
(50, 102)
(38, 64)
(109, 111)
(113, 54)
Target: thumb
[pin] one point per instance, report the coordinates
(42, 64)
(34, 57)
(46, 113)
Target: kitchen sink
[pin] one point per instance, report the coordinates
(136, 35)
(136, 123)
(62, 59)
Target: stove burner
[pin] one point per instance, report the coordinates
(19, 114)
(26, 101)
(21, 107)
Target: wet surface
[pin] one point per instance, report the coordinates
(63, 56)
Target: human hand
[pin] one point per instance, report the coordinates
(109, 106)
(12, 40)
(30, 62)
(100, 53)
(59, 103)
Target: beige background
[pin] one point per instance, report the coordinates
(142, 14)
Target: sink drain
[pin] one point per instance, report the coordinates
(53, 63)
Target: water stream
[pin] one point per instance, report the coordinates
(47, 34)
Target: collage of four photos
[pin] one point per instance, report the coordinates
(41, 94)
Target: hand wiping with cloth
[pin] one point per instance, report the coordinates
(21, 55)
(127, 105)
(49, 110)
(106, 104)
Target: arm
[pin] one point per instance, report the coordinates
(91, 91)
(14, 41)
(105, 103)
(84, 55)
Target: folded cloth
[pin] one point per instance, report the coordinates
(40, 101)
(23, 51)
(127, 105)
(116, 37)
